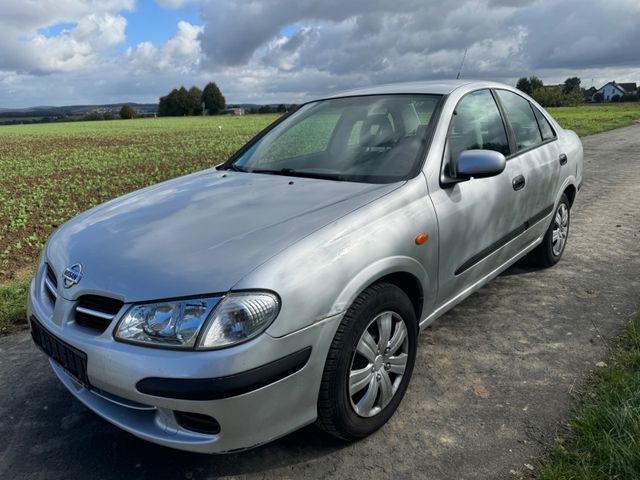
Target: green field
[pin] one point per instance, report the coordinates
(51, 172)
(594, 118)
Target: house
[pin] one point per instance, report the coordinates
(234, 111)
(612, 89)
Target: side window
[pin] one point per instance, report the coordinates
(477, 124)
(523, 121)
(545, 126)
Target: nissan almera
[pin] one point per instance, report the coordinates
(221, 310)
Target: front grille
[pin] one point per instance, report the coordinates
(96, 312)
(50, 285)
(70, 358)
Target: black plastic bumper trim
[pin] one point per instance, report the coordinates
(225, 387)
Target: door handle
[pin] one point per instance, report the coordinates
(518, 183)
(563, 159)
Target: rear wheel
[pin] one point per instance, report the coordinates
(369, 363)
(549, 252)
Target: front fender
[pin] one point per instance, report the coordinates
(375, 271)
(322, 274)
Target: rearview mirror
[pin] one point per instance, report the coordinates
(479, 164)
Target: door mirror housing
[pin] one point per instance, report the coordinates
(479, 164)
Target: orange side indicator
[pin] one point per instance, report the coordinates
(422, 238)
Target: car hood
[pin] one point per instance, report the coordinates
(197, 234)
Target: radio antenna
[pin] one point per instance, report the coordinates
(461, 64)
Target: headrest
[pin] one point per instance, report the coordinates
(377, 131)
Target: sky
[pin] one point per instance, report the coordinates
(65, 52)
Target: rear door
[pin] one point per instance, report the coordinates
(479, 220)
(538, 154)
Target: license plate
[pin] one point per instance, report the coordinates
(74, 361)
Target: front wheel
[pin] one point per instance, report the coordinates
(369, 363)
(549, 252)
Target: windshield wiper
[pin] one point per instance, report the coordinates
(290, 172)
(235, 168)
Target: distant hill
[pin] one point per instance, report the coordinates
(82, 108)
(70, 113)
(42, 114)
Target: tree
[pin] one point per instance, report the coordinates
(281, 108)
(169, 105)
(571, 85)
(194, 101)
(529, 85)
(598, 97)
(524, 85)
(182, 101)
(535, 83)
(91, 117)
(548, 96)
(213, 99)
(176, 104)
(127, 112)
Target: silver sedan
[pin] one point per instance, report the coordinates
(218, 311)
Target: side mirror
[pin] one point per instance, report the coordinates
(479, 164)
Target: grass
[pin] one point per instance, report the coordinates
(13, 301)
(595, 118)
(603, 440)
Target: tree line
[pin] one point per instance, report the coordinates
(569, 93)
(181, 102)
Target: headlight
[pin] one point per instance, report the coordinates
(239, 317)
(232, 319)
(171, 324)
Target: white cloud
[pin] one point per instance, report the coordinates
(181, 53)
(74, 49)
(95, 27)
(335, 45)
(375, 41)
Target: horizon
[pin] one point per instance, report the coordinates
(133, 103)
(91, 52)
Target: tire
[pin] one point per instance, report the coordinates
(383, 308)
(550, 251)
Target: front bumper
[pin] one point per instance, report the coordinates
(115, 371)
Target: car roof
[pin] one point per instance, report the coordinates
(437, 87)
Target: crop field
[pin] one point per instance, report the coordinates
(51, 172)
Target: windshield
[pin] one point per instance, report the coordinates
(374, 139)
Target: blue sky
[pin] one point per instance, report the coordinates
(152, 23)
(149, 22)
(61, 52)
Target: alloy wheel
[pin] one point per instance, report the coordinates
(560, 229)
